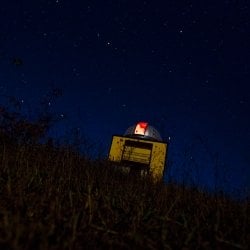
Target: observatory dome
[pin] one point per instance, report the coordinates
(143, 130)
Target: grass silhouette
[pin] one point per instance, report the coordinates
(52, 198)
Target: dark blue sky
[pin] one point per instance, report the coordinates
(183, 66)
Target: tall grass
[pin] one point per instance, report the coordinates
(54, 198)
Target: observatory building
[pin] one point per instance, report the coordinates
(140, 150)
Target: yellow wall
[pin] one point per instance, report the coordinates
(151, 153)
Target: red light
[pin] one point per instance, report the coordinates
(141, 128)
(143, 124)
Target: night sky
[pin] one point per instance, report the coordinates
(183, 66)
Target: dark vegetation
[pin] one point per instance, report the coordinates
(53, 197)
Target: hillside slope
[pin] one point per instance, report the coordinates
(53, 198)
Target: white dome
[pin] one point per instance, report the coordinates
(143, 130)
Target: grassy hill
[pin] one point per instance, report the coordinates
(53, 198)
